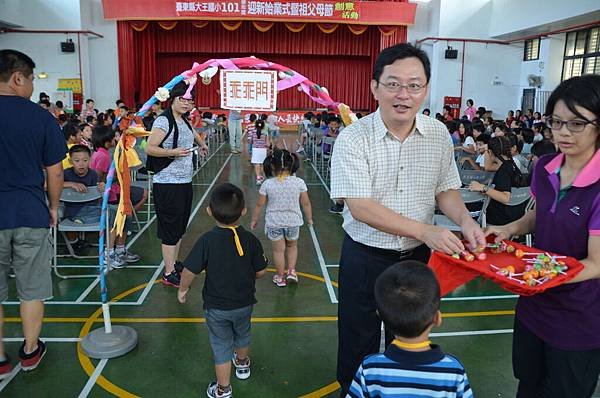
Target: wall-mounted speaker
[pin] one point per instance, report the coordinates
(451, 53)
(67, 46)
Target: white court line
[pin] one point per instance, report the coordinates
(471, 333)
(44, 339)
(74, 303)
(92, 380)
(332, 265)
(11, 376)
(328, 284)
(88, 290)
(469, 298)
(320, 178)
(162, 264)
(129, 266)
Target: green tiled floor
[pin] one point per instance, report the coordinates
(294, 333)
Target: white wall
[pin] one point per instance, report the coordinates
(99, 69)
(494, 75)
(10, 12)
(513, 16)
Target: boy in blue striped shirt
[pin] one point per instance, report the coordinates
(408, 301)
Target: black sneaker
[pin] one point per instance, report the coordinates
(172, 279)
(337, 208)
(178, 266)
(79, 247)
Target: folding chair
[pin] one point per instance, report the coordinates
(483, 177)
(326, 156)
(71, 196)
(468, 197)
(518, 196)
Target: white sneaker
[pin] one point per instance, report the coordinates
(115, 260)
(242, 371)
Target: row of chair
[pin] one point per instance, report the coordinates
(215, 136)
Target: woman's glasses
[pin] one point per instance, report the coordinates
(186, 101)
(574, 126)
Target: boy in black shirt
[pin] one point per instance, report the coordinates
(233, 259)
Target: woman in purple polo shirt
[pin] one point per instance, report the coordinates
(556, 341)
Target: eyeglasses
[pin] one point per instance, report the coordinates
(186, 101)
(574, 126)
(395, 87)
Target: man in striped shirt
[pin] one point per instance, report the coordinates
(408, 302)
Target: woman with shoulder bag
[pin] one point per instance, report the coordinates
(170, 157)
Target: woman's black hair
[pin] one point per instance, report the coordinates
(280, 161)
(468, 127)
(582, 91)
(101, 135)
(260, 125)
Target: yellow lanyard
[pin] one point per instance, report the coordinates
(238, 244)
(409, 346)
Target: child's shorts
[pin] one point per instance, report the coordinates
(289, 233)
(228, 330)
(91, 214)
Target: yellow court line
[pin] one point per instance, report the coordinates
(321, 392)
(254, 319)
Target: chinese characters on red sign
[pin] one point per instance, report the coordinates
(249, 90)
(319, 10)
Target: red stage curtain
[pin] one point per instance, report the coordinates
(278, 40)
(145, 44)
(127, 69)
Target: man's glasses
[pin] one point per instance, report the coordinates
(186, 101)
(574, 126)
(395, 87)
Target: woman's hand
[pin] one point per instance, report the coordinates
(475, 186)
(501, 232)
(179, 152)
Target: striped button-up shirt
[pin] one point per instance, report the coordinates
(369, 162)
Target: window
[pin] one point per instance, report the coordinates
(582, 53)
(532, 50)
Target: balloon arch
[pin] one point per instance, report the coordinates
(125, 155)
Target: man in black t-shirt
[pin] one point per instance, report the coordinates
(233, 259)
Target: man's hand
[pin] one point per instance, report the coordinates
(253, 224)
(101, 187)
(182, 295)
(53, 217)
(473, 233)
(441, 239)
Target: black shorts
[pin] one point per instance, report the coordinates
(173, 204)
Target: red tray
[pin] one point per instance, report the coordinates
(452, 272)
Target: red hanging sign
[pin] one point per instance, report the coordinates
(349, 12)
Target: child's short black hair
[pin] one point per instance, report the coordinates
(226, 203)
(79, 148)
(408, 297)
(528, 136)
(483, 138)
(70, 130)
(101, 135)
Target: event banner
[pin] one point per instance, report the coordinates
(254, 90)
(350, 12)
